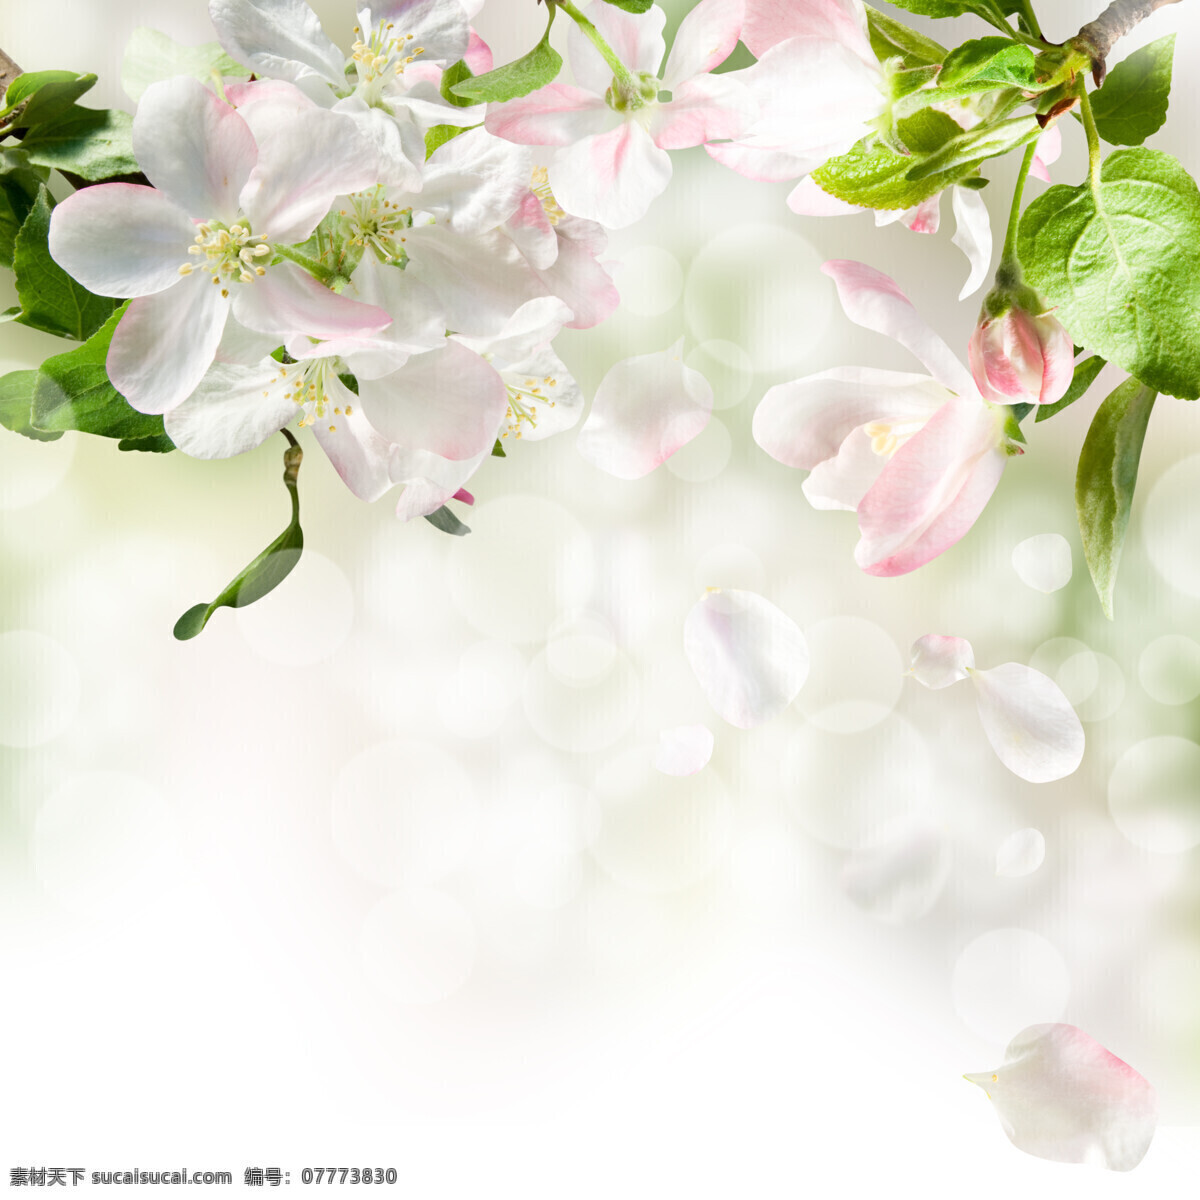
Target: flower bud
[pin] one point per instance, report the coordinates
(1021, 358)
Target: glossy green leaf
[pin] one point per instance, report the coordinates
(1132, 104)
(955, 8)
(1084, 377)
(459, 72)
(632, 6)
(151, 56)
(74, 392)
(538, 68)
(16, 405)
(267, 571)
(1121, 264)
(19, 187)
(447, 522)
(50, 299)
(47, 95)
(93, 143)
(891, 38)
(439, 135)
(1105, 481)
(970, 148)
(993, 60)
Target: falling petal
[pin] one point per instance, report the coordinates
(939, 661)
(1020, 853)
(684, 750)
(1043, 562)
(1061, 1095)
(750, 658)
(900, 877)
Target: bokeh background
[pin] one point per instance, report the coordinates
(379, 872)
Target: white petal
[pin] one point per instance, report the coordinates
(359, 453)
(645, 409)
(1020, 853)
(233, 410)
(684, 750)
(750, 658)
(973, 236)
(939, 661)
(278, 38)
(440, 27)
(1061, 1095)
(1030, 723)
(428, 479)
(287, 300)
(637, 40)
(809, 199)
(842, 481)
(705, 39)
(477, 180)
(1043, 562)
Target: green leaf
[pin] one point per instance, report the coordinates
(993, 60)
(1104, 484)
(969, 149)
(632, 6)
(266, 572)
(955, 8)
(161, 444)
(498, 450)
(48, 95)
(93, 143)
(50, 299)
(457, 73)
(16, 405)
(151, 56)
(19, 186)
(876, 177)
(26, 84)
(1084, 377)
(891, 38)
(74, 392)
(1122, 266)
(447, 522)
(538, 68)
(1132, 104)
(439, 135)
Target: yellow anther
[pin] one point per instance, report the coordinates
(186, 269)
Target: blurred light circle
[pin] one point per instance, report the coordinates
(104, 841)
(1083, 676)
(660, 833)
(727, 367)
(1008, 979)
(846, 789)
(581, 652)
(526, 560)
(750, 284)
(705, 456)
(855, 677)
(1169, 539)
(474, 700)
(730, 565)
(899, 877)
(649, 280)
(1043, 562)
(1154, 794)
(31, 470)
(1020, 853)
(418, 946)
(41, 688)
(1169, 669)
(581, 717)
(404, 813)
(304, 621)
(1093, 683)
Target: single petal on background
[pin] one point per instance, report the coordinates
(684, 750)
(1020, 853)
(938, 660)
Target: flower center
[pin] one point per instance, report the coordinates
(629, 96)
(525, 400)
(229, 253)
(378, 222)
(384, 54)
(306, 386)
(887, 437)
(541, 189)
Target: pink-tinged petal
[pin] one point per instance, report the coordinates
(429, 480)
(287, 300)
(645, 409)
(769, 22)
(463, 496)
(842, 481)
(809, 199)
(121, 239)
(359, 454)
(250, 96)
(973, 236)
(278, 38)
(304, 160)
(684, 750)
(1048, 152)
(577, 277)
(1061, 1095)
(448, 401)
(1032, 727)
(637, 41)
(766, 164)
(556, 115)
(705, 39)
(805, 422)
(1021, 358)
(701, 109)
(749, 657)
(193, 147)
(874, 301)
(532, 233)
(612, 178)
(533, 325)
(925, 217)
(440, 27)
(478, 56)
(938, 661)
(477, 180)
(1020, 853)
(233, 410)
(418, 323)
(935, 486)
(164, 344)
(558, 404)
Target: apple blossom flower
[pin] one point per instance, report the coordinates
(645, 409)
(613, 133)
(1030, 723)
(749, 657)
(916, 456)
(1021, 357)
(1061, 1095)
(200, 245)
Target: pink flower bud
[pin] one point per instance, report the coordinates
(1020, 358)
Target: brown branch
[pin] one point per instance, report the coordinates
(8, 71)
(1098, 37)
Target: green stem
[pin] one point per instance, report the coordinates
(1031, 19)
(1009, 254)
(621, 73)
(1093, 138)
